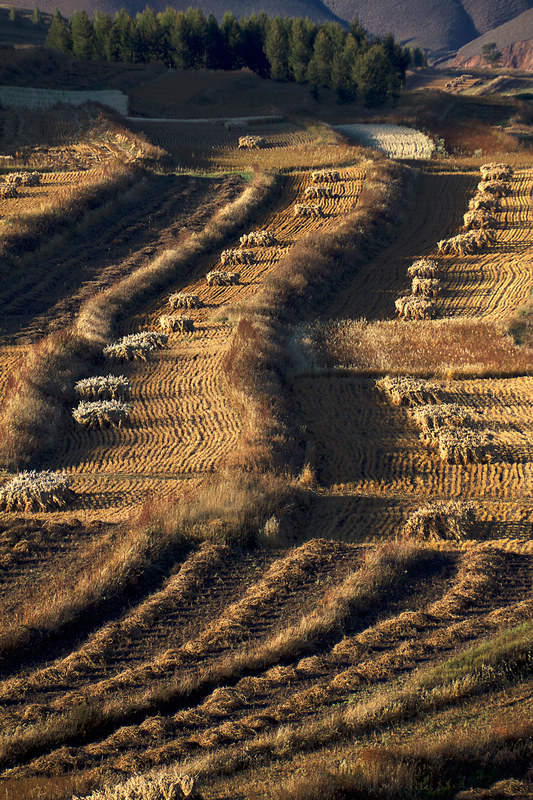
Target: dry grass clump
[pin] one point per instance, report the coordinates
(496, 172)
(325, 176)
(432, 419)
(136, 346)
(440, 521)
(236, 257)
(184, 300)
(478, 219)
(251, 142)
(320, 191)
(496, 188)
(409, 391)
(101, 413)
(465, 446)
(307, 210)
(221, 277)
(35, 491)
(153, 786)
(258, 239)
(176, 323)
(104, 387)
(424, 268)
(426, 287)
(413, 306)
(466, 243)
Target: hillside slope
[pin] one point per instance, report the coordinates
(514, 39)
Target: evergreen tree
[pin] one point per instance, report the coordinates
(359, 35)
(148, 35)
(213, 44)
(233, 42)
(343, 80)
(319, 69)
(37, 17)
(102, 25)
(59, 36)
(276, 49)
(301, 38)
(195, 26)
(82, 35)
(123, 38)
(13, 16)
(253, 44)
(373, 73)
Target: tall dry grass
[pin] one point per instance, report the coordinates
(447, 348)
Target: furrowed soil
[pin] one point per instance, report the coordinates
(121, 652)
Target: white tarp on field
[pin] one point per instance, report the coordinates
(21, 97)
(396, 141)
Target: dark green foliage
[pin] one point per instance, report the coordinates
(37, 17)
(284, 49)
(491, 54)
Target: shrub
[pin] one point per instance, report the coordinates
(409, 391)
(423, 268)
(104, 387)
(258, 239)
(184, 300)
(35, 491)
(440, 521)
(221, 277)
(101, 413)
(413, 306)
(177, 323)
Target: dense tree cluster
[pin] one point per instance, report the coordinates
(284, 49)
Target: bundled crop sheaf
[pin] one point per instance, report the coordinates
(184, 300)
(414, 307)
(320, 191)
(409, 391)
(432, 419)
(101, 413)
(153, 786)
(465, 446)
(484, 201)
(308, 210)
(466, 243)
(23, 179)
(325, 176)
(236, 257)
(104, 387)
(258, 239)
(496, 172)
(136, 346)
(424, 268)
(427, 287)
(35, 491)
(496, 188)
(176, 323)
(478, 220)
(221, 277)
(8, 190)
(251, 142)
(440, 521)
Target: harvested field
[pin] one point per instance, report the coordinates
(396, 141)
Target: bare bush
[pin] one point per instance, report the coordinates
(184, 300)
(478, 220)
(35, 491)
(424, 268)
(426, 287)
(101, 413)
(258, 239)
(104, 387)
(251, 142)
(236, 257)
(496, 172)
(464, 446)
(307, 210)
(221, 277)
(409, 391)
(413, 306)
(325, 176)
(176, 323)
(440, 522)
(320, 191)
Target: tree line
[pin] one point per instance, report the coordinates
(354, 66)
